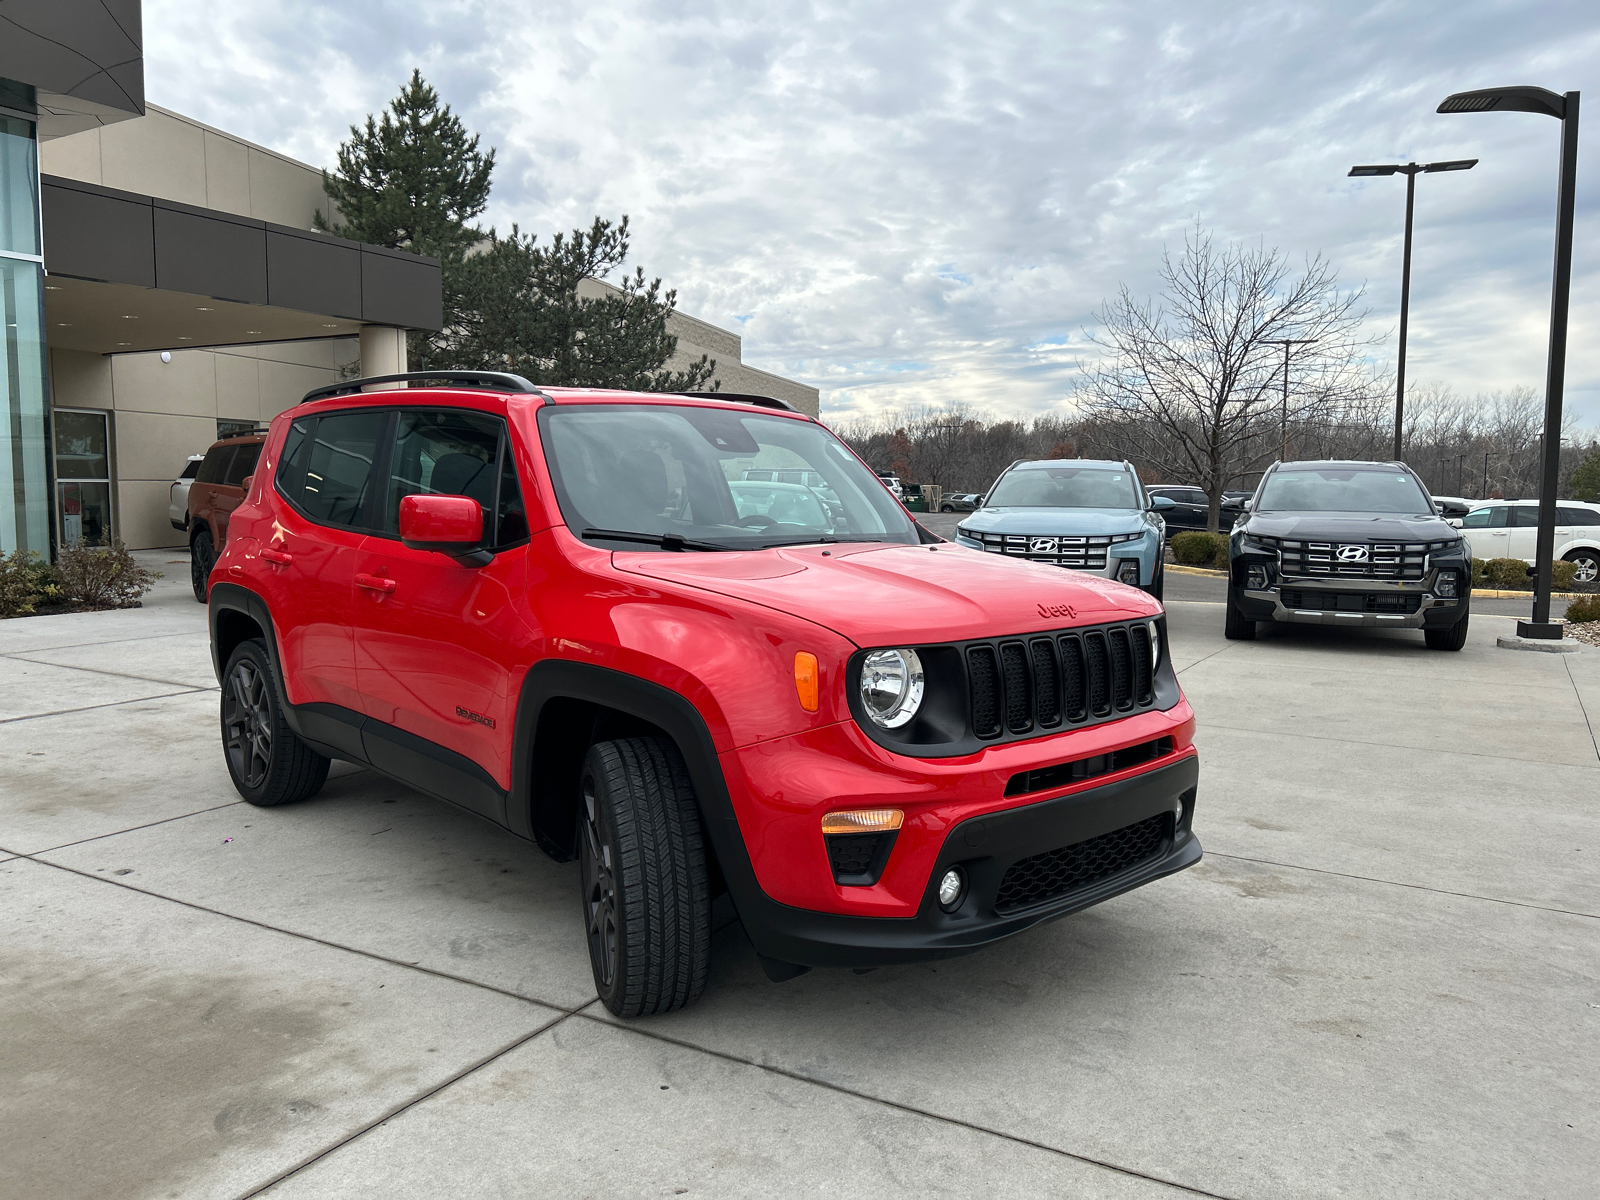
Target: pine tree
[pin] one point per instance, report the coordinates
(1585, 484)
(413, 181)
(521, 311)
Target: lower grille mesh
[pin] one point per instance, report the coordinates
(1046, 876)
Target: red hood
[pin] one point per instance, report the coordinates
(892, 595)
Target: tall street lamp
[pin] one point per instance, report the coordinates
(1564, 109)
(1286, 343)
(1410, 171)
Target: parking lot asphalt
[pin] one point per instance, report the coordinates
(1382, 979)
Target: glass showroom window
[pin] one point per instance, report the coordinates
(24, 489)
(83, 476)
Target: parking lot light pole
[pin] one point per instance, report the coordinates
(1410, 171)
(1283, 455)
(1564, 109)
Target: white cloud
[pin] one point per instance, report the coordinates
(905, 202)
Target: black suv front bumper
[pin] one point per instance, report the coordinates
(986, 848)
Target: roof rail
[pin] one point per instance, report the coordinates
(745, 398)
(489, 381)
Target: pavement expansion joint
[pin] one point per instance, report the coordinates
(67, 712)
(1419, 887)
(22, 656)
(427, 1093)
(294, 933)
(1594, 737)
(909, 1109)
(100, 837)
(1317, 737)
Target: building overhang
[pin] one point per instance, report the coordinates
(84, 60)
(129, 272)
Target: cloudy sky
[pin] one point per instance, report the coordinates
(907, 203)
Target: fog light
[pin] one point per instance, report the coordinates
(1128, 571)
(1445, 585)
(952, 888)
(1255, 579)
(1177, 814)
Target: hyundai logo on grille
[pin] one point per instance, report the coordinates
(1042, 546)
(1352, 554)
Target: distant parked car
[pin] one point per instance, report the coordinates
(217, 490)
(178, 493)
(1191, 507)
(1509, 529)
(1083, 514)
(892, 482)
(961, 502)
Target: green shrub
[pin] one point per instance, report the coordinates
(1196, 549)
(1506, 573)
(1561, 573)
(1583, 610)
(26, 581)
(1479, 573)
(106, 578)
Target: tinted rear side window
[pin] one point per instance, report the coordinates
(327, 466)
(215, 465)
(190, 470)
(1577, 516)
(244, 463)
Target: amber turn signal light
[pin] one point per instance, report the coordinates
(863, 820)
(805, 680)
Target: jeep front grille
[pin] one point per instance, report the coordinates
(1042, 877)
(1049, 681)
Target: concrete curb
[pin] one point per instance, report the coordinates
(1543, 645)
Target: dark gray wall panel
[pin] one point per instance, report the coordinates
(400, 289)
(209, 255)
(88, 49)
(98, 235)
(313, 274)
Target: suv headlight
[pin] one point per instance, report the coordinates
(891, 686)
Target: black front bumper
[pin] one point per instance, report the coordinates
(985, 847)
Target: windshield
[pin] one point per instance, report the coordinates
(1344, 489)
(701, 474)
(1064, 487)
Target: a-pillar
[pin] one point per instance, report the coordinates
(383, 350)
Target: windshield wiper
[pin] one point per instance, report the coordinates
(665, 541)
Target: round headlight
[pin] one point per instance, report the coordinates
(891, 686)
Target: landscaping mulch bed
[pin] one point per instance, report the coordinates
(1588, 632)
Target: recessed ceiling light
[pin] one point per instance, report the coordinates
(63, 324)
(50, 287)
(185, 339)
(129, 317)
(124, 343)
(203, 308)
(252, 331)
(326, 325)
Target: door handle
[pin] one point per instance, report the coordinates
(282, 557)
(376, 583)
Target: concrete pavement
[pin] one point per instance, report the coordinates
(1381, 980)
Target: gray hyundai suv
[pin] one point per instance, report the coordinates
(1348, 543)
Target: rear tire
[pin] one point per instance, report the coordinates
(1588, 564)
(646, 898)
(1452, 638)
(202, 557)
(1237, 627)
(267, 761)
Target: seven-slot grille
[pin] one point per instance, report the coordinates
(1353, 560)
(1047, 681)
(1078, 553)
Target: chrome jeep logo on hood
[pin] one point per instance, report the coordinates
(1353, 554)
(1042, 545)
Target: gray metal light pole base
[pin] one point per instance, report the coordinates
(1549, 630)
(1544, 644)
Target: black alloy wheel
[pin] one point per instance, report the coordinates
(202, 557)
(267, 761)
(643, 878)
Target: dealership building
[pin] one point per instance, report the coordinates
(162, 286)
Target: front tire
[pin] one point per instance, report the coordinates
(1588, 566)
(646, 898)
(268, 762)
(1160, 584)
(1452, 638)
(1236, 626)
(202, 557)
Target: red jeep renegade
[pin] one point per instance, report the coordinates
(572, 612)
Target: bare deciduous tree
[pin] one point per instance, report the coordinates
(1191, 381)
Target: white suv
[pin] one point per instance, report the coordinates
(178, 493)
(1508, 529)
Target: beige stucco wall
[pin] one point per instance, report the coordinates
(175, 157)
(165, 411)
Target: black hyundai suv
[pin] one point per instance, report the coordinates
(1348, 543)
